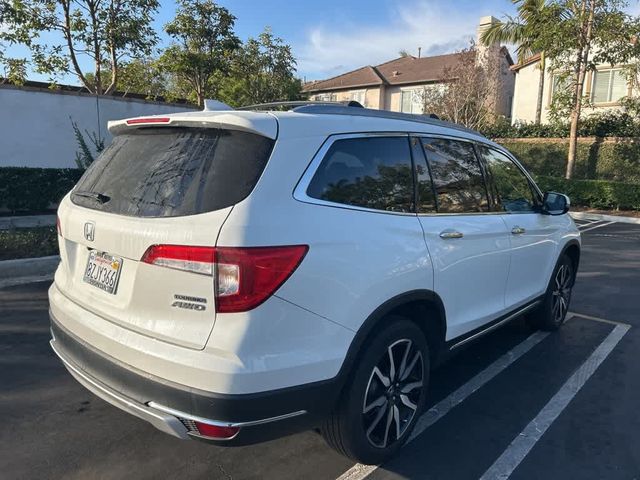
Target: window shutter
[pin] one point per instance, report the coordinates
(406, 101)
(601, 86)
(618, 86)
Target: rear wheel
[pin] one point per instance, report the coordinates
(384, 396)
(551, 314)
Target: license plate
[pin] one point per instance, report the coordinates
(103, 271)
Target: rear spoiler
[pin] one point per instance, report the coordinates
(261, 123)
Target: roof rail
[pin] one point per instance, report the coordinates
(300, 103)
(430, 119)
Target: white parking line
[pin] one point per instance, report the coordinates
(504, 466)
(598, 319)
(587, 223)
(587, 220)
(435, 413)
(597, 226)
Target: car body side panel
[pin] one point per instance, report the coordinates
(534, 253)
(471, 271)
(357, 260)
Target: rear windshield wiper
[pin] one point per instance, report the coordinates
(96, 196)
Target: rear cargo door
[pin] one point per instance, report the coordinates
(155, 186)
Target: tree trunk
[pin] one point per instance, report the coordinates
(66, 8)
(583, 58)
(201, 97)
(543, 68)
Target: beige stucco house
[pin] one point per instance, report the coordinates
(604, 88)
(397, 85)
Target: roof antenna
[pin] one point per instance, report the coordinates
(419, 52)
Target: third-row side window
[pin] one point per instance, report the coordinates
(370, 172)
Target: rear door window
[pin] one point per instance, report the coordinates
(168, 172)
(370, 172)
(457, 176)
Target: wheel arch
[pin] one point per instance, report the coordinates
(572, 250)
(424, 307)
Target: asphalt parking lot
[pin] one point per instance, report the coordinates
(517, 404)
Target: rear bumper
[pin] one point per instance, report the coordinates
(169, 406)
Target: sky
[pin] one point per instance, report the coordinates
(334, 36)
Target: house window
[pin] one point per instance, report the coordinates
(325, 97)
(609, 86)
(358, 96)
(411, 101)
(561, 83)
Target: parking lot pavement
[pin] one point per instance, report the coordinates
(515, 404)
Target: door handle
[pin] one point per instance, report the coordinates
(447, 234)
(518, 230)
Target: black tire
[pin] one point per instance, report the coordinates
(350, 428)
(552, 312)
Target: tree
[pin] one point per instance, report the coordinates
(263, 70)
(12, 69)
(204, 43)
(469, 94)
(106, 31)
(141, 76)
(588, 33)
(525, 30)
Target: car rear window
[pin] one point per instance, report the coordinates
(169, 172)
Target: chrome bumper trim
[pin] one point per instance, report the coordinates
(217, 423)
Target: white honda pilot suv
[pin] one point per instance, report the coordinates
(232, 275)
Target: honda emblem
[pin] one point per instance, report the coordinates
(89, 231)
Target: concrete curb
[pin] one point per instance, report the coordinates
(27, 270)
(606, 218)
(27, 221)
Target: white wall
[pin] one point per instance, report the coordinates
(35, 129)
(526, 94)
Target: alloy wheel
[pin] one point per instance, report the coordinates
(393, 393)
(561, 293)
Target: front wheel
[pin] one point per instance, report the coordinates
(552, 312)
(383, 397)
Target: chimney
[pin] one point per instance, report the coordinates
(485, 22)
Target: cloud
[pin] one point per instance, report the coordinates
(334, 48)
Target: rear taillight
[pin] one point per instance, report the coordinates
(191, 259)
(244, 276)
(58, 227)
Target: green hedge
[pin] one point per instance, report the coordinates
(27, 242)
(597, 158)
(598, 194)
(605, 124)
(25, 190)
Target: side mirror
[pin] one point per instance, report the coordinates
(555, 203)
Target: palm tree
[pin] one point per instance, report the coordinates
(524, 31)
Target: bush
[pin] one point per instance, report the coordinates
(615, 160)
(604, 124)
(503, 129)
(598, 194)
(24, 190)
(28, 242)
